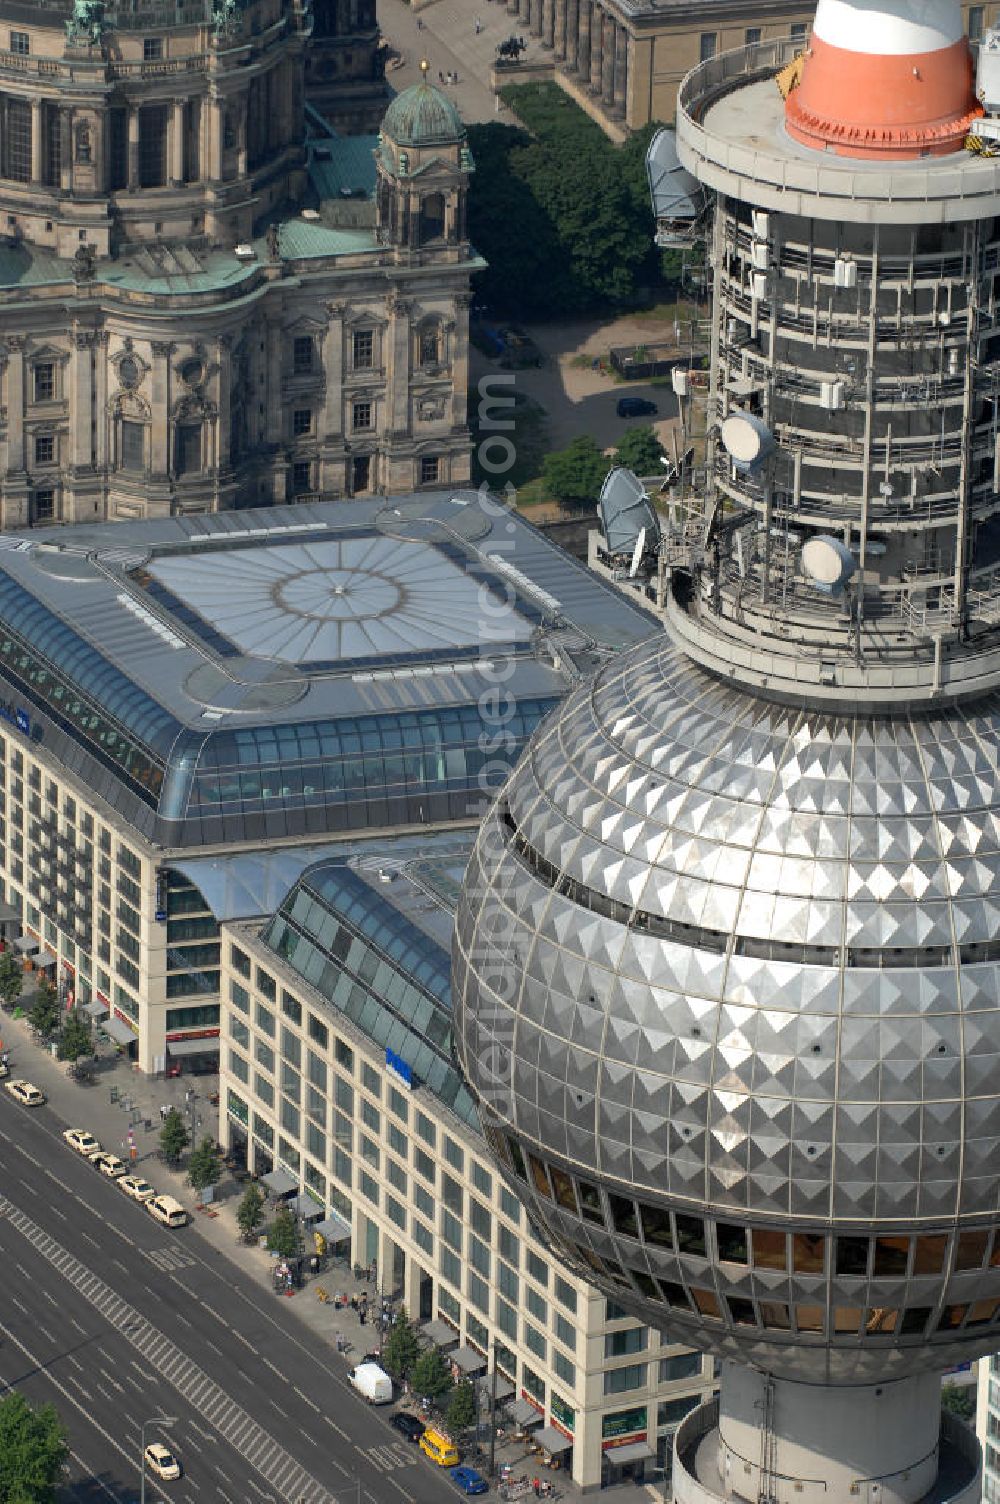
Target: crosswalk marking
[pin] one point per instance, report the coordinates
(276, 1466)
(169, 1259)
(388, 1459)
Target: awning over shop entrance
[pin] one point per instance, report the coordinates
(96, 1009)
(632, 1451)
(505, 1389)
(27, 945)
(334, 1228)
(552, 1441)
(524, 1414)
(305, 1207)
(280, 1183)
(45, 961)
(440, 1333)
(179, 1047)
(468, 1360)
(118, 1030)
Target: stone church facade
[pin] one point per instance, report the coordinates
(195, 312)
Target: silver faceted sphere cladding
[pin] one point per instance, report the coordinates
(726, 987)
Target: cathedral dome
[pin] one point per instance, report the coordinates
(422, 116)
(726, 988)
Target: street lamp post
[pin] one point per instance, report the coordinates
(155, 1420)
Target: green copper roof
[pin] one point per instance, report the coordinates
(422, 116)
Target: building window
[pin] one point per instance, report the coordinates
(45, 446)
(364, 349)
(133, 445)
(623, 1380)
(303, 354)
(18, 144)
(429, 467)
(187, 449)
(432, 218)
(975, 24)
(362, 416)
(152, 49)
(44, 507)
(798, 31)
(45, 381)
(752, 36)
(707, 45)
(301, 477)
(20, 42)
(302, 421)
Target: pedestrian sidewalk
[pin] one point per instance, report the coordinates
(444, 32)
(121, 1107)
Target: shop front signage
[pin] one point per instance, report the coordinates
(623, 1427)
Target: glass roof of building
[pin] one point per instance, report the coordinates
(372, 935)
(248, 677)
(335, 599)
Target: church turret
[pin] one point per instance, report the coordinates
(423, 164)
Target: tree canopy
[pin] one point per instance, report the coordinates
(75, 1039)
(574, 475)
(44, 1012)
(33, 1451)
(430, 1375)
(250, 1212)
(204, 1165)
(641, 451)
(11, 978)
(401, 1349)
(561, 213)
(173, 1137)
(461, 1412)
(283, 1235)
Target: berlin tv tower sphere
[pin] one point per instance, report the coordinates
(726, 986)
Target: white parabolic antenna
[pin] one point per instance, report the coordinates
(640, 544)
(827, 560)
(747, 439)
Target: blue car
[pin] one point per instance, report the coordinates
(468, 1480)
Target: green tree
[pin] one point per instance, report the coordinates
(44, 1013)
(173, 1137)
(574, 475)
(641, 451)
(430, 1375)
(11, 978)
(401, 1349)
(960, 1399)
(204, 1165)
(250, 1213)
(75, 1039)
(33, 1451)
(461, 1412)
(284, 1236)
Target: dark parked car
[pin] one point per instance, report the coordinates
(407, 1425)
(635, 407)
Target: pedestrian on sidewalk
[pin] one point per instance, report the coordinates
(479, 26)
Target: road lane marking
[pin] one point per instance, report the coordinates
(311, 1403)
(90, 1478)
(259, 1448)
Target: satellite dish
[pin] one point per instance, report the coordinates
(747, 440)
(640, 544)
(828, 562)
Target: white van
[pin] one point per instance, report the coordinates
(373, 1382)
(168, 1211)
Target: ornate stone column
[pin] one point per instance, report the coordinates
(216, 126)
(81, 398)
(15, 405)
(177, 144)
(608, 62)
(241, 136)
(524, 10)
(536, 18)
(559, 38)
(397, 375)
(583, 39)
(133, 147)
(548, 23)
(573, 35)
(331, 434)
(37, 141)
(159, 426)
(596, 47)
(622, 72)
(101, 400)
